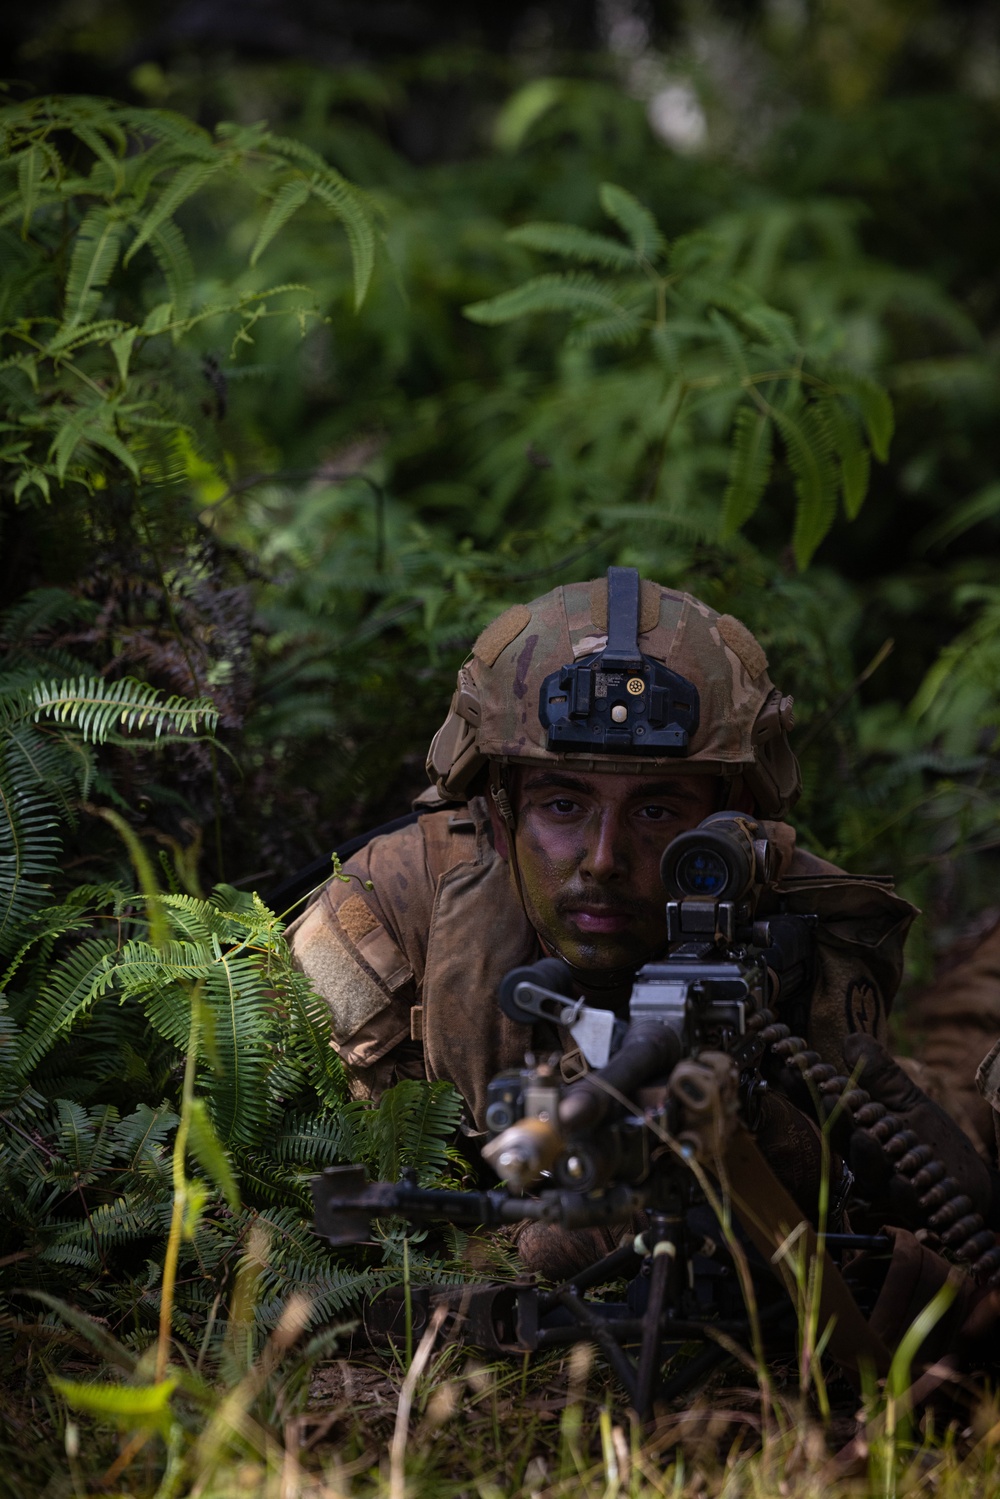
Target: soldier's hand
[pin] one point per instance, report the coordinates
(872, 1161)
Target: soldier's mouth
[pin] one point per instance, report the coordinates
(599, 920)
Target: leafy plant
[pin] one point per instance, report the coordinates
(720, 359)
(86, 187)
(142, 1032)
(44, 758)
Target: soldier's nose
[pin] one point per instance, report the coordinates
(604, 856)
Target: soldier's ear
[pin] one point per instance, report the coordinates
(499, 828)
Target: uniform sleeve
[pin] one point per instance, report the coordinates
(404, 1060)
(860, 936)
(956, 1018)
(343, 944)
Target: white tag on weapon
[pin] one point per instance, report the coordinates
(592, 1032)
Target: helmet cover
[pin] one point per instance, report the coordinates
(689, 690)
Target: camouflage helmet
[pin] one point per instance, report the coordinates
(700, 676)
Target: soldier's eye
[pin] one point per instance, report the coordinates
(562, 804)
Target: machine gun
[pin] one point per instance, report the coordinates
(661, 1122)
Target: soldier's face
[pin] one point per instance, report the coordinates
(589, 849)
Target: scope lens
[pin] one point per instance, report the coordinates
(700, 871)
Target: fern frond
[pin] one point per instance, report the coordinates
(140, 1136)
(575, 244)
(297, 151)
(413, 1126)
(93, 707)
(731, 344)
(749, 467)
(312, 1040)
(75, 1256)
(636, 220)
(88, 425)
(287, 201)
(876, 407)
(314, 1140)
(34, 168)
(776, 328)
(263, 1179)
(170, 250)
(111, 160)
(29, 850)
(343, 200)
(188, 180)
(73, 336)
(233, 916)
(39, 610)
(603, 332)
(243, 1013)
(86, 1137)
(173, 129)
(95, 255)
(809, 446)
(573, 292)
(68, 991)
(45, 926)
(845, 431)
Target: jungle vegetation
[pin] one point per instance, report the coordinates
(316, 352)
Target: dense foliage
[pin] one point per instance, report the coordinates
(290, 410)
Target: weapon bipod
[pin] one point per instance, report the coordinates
(519, 1317)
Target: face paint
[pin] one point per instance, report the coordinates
(589, 848)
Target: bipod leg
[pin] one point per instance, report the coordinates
(599, 1333)
(662, 1236)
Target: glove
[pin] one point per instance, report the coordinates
(872, 1161)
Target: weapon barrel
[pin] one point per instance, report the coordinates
(345, 1202)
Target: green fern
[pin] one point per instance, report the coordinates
(170, 250)
(636, 220)
(42, 761)
(809, 446)
(875, 406)
(731, 359)
(145, 167)
(289, 198)
(412, 1127)
(29, 850)
(89, 1187)
(750, 468)
(853, 456)
(93, 707)
(575, 244)
(95, 255)
(574, 292)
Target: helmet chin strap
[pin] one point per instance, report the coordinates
(500, 793)
(587, 978)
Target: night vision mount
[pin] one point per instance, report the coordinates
(619, 701)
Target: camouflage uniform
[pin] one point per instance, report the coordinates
(955, 1020)
(411, 967)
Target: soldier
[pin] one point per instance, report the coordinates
(554, 794)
